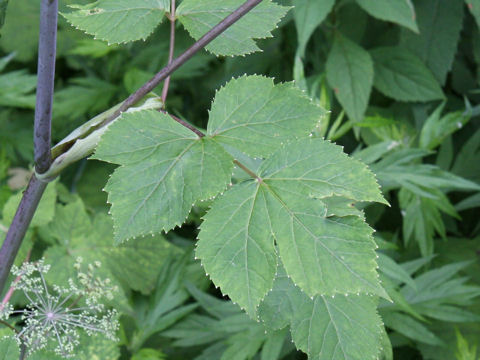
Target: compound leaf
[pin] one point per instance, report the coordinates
(199, 16)
(255, 116)
(118, 21)
(326, 328)
(165, 169)
(350, 73)
(400, 12)
(402, 76)
(323, 254)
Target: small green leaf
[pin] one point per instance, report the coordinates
(199, 16)
(437, 127)
(401, 12)
(118, 21)
(308, 15)
(350, 73)
(390, 268)
(165, 169)
(255, 116)
(326, 328)
(402, 76)
(439, 22)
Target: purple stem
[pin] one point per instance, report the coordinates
(41, 139)
(16, 232)
(45, 80)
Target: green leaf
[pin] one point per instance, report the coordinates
(165, 169)
(394, 271)
(439, 23)
(402, 76)
(118, 21)
(318, 168)
(134, 263)
(45, 210)
(401, 12)
(236, 245)
(148, 354)
(308, 15)
(350, 73)
(199, 16)
(447, 313)
(273, 345)
(9, 349)
(21, 37)
(437, 127)
(323, 255)
(326, 328)
(256, 117)
(83, 95)
(16, 89)
(411, 328)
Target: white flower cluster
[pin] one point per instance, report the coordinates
(58, 314)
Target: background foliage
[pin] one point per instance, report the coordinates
(402, 81)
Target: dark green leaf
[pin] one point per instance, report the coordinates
(439, 22)
(402, 76)
(350, 74)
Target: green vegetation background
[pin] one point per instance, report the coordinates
(403, 88)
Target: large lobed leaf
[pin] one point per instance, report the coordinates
(118, 21)
(199, 16)
(255, 116)
(165, 169)
(323, 255)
